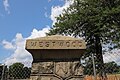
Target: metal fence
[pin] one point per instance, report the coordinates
(91, 71)
(111, 67)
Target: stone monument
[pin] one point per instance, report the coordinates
(56, 58)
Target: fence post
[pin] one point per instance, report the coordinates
(94, 70)
(3, 72)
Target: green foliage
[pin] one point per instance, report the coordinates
(88, 18)
(97, 21)
(111, 67)
(18, 71)
(88, 68)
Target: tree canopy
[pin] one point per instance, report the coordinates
(97, 21)
(88, 18)
(18, 71)
(112, 67)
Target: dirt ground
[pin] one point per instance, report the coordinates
(109, 77)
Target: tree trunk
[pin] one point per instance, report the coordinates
(99, 56)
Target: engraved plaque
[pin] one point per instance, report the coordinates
(55, 42)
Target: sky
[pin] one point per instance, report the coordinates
(26, 19)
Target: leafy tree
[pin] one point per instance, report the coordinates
(26, 72)
(111, 67)
(18, 71)
(97, 21)
(88, 68)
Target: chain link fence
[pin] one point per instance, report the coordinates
(110, 68)
(91, 70)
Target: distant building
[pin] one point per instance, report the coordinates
(3, 72)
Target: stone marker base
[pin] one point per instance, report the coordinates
(57, 71)
(46, 77)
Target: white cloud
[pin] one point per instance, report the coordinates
(8, 45)
(6, 5)
(41, 33)
(49, 0)
(114, 55)
(57, 10)
(17, 45)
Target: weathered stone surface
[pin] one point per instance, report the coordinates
(42, 67)
(35, 69)
(44, 78)
(55, 48)
(63, 70)
(56, 58)
(55, 42)
(77, 79)
(54, 78)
